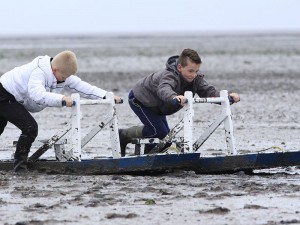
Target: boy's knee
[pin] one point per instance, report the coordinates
(31, 130)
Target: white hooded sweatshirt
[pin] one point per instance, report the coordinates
(35, 86)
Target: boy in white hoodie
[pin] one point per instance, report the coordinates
(34, 86)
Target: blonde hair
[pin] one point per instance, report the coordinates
(65, 62)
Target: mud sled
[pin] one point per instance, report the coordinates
(68, 153)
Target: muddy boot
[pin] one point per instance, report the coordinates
(21, 154)
(126, 135)
(20, 162)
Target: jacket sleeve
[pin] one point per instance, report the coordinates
(75, 85)
(166, 87)
(37, 91)
(204, 89)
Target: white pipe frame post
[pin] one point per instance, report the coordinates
(77, 143)
(225, 117)
(114, 128)
(228, 125)
(76, 128)
(188, 122)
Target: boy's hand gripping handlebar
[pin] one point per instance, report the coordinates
(176, 101)
(64, 103)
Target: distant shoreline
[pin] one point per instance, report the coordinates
(154, 34)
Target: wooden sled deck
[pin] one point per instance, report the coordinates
(189, 159)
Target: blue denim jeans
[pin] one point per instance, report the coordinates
(155, 126)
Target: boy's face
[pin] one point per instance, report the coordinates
(59, 76)
(189, 72)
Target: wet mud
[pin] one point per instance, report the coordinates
(263, 68)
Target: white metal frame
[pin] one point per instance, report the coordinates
(187, 125)
(77, 143)
(225, 117)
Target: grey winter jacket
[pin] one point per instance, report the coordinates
(157, 90)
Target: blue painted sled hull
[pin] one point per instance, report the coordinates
(162, 163)
(126, 165)
(247, 162)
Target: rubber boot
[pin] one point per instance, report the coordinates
(20, 162)
(21, 154)
(126, 136)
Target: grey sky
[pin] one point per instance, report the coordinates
(42, 17)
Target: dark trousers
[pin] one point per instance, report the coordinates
(15, 113)
(154, 125)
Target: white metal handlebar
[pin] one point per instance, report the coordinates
(209, 100)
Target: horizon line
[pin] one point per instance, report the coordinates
(152, 33)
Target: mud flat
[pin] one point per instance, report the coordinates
(263, 68)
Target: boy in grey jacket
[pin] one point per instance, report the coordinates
(153, 97)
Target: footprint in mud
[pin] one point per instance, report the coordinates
(40, 222)
(116, 215)
(216, 188)
(127, 190)
(23, 191)
(294, 221)
(166, 192)
(217, 210)
(149, 189)
(201, 195)
(254, 207)
(2, 202)
(34, 207)
(4, 182)
(32, 192)
(119, 178)
(224, 195)
(103, 202)
(93, 203)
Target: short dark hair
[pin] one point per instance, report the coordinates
(189, 54)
